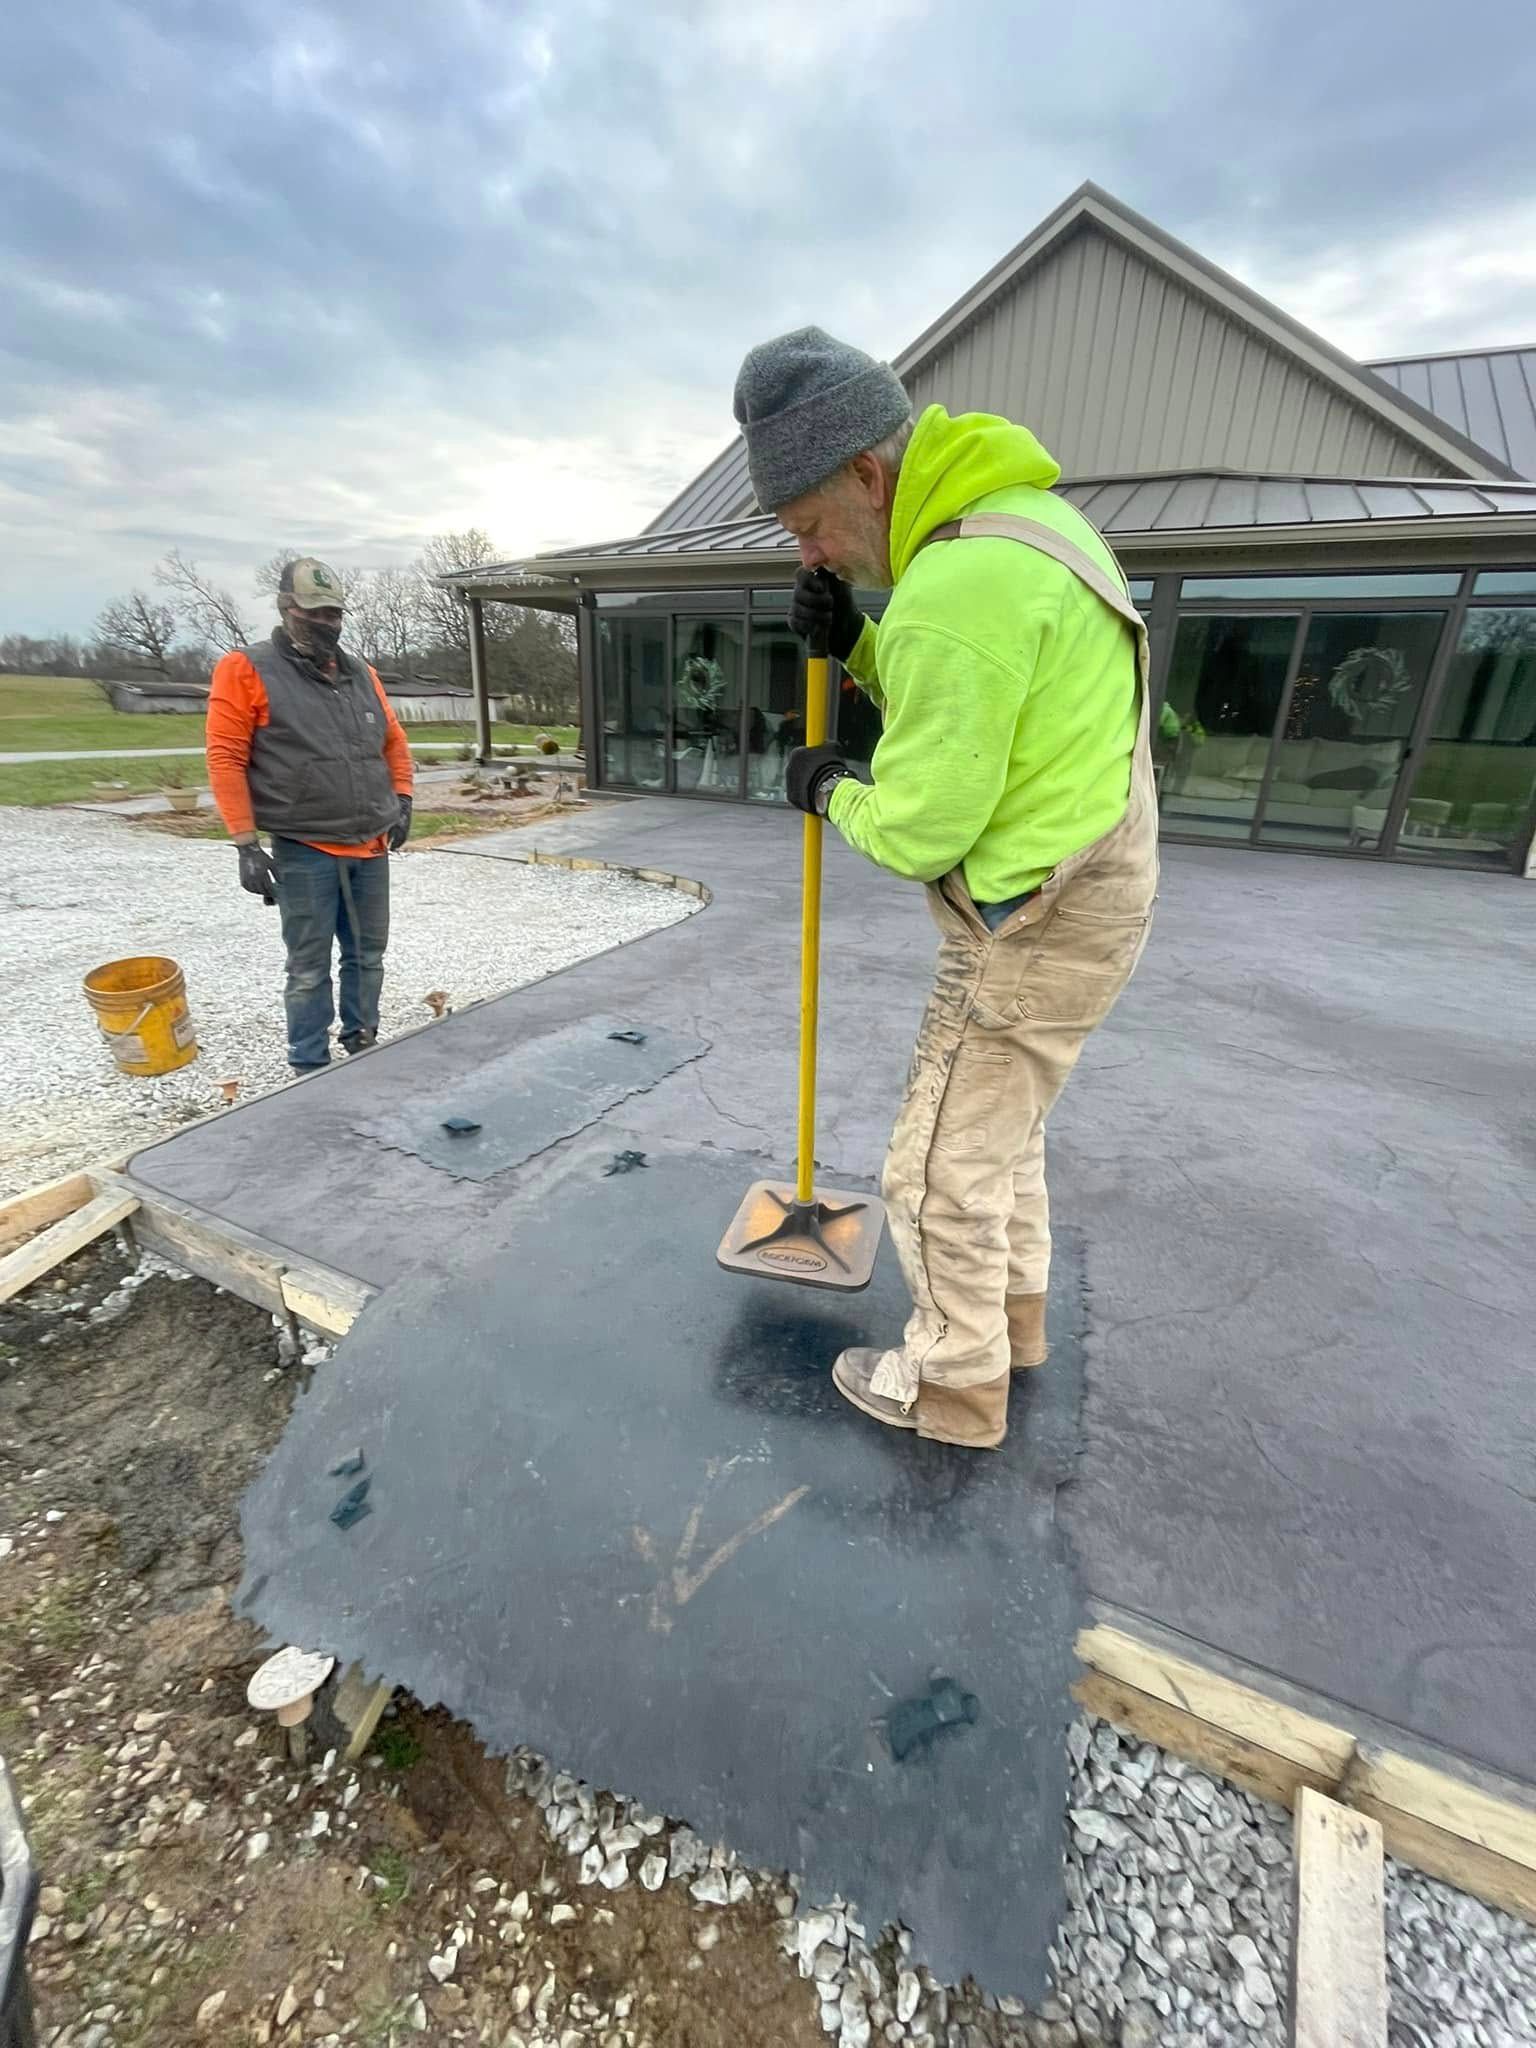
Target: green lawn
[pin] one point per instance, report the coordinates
(42, 714)
(424, 824)
(67, 782)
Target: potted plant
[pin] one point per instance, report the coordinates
(174, 787)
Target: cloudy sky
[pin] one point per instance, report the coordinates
(345, 274)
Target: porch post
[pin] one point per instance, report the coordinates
(589, 739)
(479, 680)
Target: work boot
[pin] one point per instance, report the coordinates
(358, 1041)
(851, 1376)
(974, 1418)
(1026, 1331)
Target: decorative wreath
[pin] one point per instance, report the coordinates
(700, 683)
(1368, 679)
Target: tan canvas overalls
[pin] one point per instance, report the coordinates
(1010, 1010)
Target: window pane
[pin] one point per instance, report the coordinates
(1225, 682)
(1476, 780)
(775, 665)
(672, 600)
(1315, 587)
(706, 706)
(856, 721)
(632, 680)
(1141, 589)
(1358, 687)
(1505, 583)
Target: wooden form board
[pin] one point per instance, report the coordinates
(22, 1216)
(1469, 1828)
(1338, 1944)
(244, 1264)
(326, 1300)
(61, 1240)
(48, 1224)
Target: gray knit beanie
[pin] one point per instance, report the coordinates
(806, 405)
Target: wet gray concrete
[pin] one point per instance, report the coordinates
(1300, 1154)
(618, 1512)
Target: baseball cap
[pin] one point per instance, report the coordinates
(312, 584)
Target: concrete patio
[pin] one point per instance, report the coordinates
(1298, 1158)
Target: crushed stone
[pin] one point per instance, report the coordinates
(79, 889)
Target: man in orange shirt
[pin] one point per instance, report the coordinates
(303, 745)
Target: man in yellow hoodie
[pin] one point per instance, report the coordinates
(1013, 777)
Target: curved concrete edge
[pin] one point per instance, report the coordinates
(581, 863)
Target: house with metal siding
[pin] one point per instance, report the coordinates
(1337, 561)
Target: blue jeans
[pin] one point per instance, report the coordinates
(324, 900)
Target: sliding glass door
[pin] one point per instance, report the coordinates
(1292, 728)
(1345, 728)
(1227, 682)
(1474, 783)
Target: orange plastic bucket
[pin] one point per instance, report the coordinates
(141, 1006)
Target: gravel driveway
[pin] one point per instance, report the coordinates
(78, 890)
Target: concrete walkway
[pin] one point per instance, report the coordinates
(1300, 1156)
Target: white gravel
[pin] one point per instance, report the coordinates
(1177, 1932)
(78, 890)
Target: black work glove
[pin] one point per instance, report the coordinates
(257, 872)
(821, 599)
(400, 831)
(811, 774)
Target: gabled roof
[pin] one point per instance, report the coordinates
(1488, 394)
(1383, 425)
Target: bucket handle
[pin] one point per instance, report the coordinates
(129, 1029)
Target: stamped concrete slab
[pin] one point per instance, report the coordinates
(619, 1513)
(1300, 1157)
(517, 1105)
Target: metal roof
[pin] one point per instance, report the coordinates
(1488, 394)
(1198, 502)
(1449, 444)
(1130, 510)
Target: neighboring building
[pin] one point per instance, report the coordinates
(1337, 561)
(156, 693)
(426, 700)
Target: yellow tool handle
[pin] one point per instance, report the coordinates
(810, 938)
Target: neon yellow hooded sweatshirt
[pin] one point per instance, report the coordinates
(1007, 689)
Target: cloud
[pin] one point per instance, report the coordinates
(346, 273)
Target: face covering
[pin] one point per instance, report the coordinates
(314, 637)
(323, 638)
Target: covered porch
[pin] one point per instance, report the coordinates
(1338, 667)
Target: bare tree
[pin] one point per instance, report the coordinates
(532, 660)
(22, 654)
(363, 624)
(211, 614)
(270, 574)
(444, 622)
(397, 602)
(137, 629)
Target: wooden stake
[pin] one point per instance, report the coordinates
(1338, 1957)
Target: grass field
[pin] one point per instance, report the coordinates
(40, 713)
(70, 782)
(43, 714)
(424, 824)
